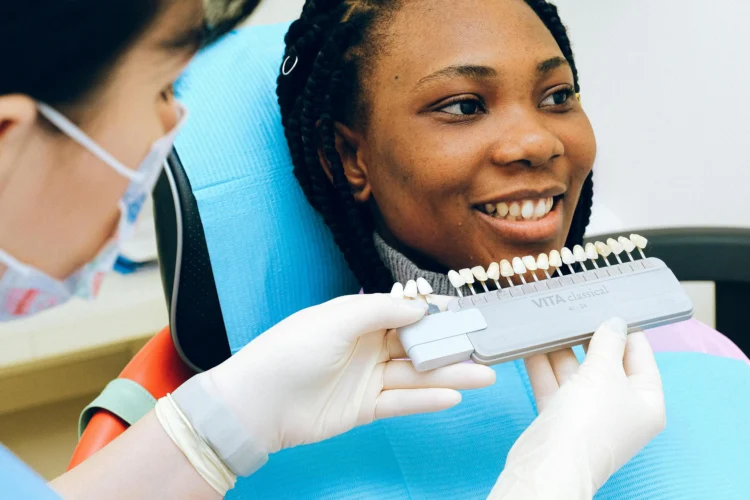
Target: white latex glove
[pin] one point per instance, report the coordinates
(602, 415)
(332, 367)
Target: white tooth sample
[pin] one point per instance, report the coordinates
(502, 209)
(591, 252)
(542, 262)
(456, 279)
(479, 273)
(493, 271)
(490, 208)
(527, 209)
(603, 249)
(541, 209)
(506, 270)
(467, 276)
(628, 245)
(580, 253)
(615, 246)
(397, 292)
(515, 209)
(518, 266)
(424, 287)
(639, 241)
(567, 256)
(554, 259)
(530, 263)
(410, 290)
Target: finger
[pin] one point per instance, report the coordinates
(643, 372)
(461, 376)
(608, 343)
(564, 364)
(542, 377)
(394, 348)
(401, 402)
(362, 314)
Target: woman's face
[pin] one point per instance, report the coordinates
(475, 148)
(54, 194)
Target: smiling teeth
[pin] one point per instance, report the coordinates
(527, 210)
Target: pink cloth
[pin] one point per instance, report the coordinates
(693, 336)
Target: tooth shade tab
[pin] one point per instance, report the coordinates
(397, 292)
(628, 245)
(530, 263)
(639, 241)
(424, 287)
(555, 260)
(567, 256)
(506, 270)
(615, 246)
(542, 262)
(603, 249)
(518, 266)
(410, 290)
(493, 271)
(467, 276)
(580, 253)
(479, 273)
(591, 252)
(456, 279)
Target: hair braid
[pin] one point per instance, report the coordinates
(329, 45)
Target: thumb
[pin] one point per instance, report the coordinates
(608, 343)
(362, 314)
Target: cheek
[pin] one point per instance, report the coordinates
(580, 148)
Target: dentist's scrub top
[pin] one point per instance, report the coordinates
(18, 481)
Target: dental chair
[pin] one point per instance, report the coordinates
(240, 249)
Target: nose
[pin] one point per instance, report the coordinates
(523, 139)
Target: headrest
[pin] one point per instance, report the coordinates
(271, 253)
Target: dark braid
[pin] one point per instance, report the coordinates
(331, 43)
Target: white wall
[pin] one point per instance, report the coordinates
(665, 85)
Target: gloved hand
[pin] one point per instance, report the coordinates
(592, 420)
(332, 367)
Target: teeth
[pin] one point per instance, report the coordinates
(542, 262)
(567, 256)
(490, 208)
(530, 263)
(467, 276)
(615, 246)
(506, 270)
(603, 249)
(515, 209)
(479, 273)
(639, 241)
(628, 245)
(527, 209)
(591, 252)
(424, 287)
(554, 259)
(502, 209)
(518, 266)
(397, 292)
(410, 290)
(493, 272)
(456, 280)
(541, 209)
(580, 253)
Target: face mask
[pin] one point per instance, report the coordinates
(25, 290)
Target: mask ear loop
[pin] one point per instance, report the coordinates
(72, 131)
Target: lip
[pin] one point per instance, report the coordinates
(523, 231)
(521, 195)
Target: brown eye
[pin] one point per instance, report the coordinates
(558, 98)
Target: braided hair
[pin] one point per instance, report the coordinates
(330, 44)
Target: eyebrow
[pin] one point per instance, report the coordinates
(190, 39)
(551, 64)
(472, 72)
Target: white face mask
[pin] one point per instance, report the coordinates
(25, 290)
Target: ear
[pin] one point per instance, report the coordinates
(349, 145)
(17, 116)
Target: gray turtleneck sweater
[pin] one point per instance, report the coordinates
(403, 270)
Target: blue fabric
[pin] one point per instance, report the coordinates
(17, 480)
(270, 251)
(272, 256)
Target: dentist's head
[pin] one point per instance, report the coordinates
(87, 118)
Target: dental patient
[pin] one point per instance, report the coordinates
(446, 134)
